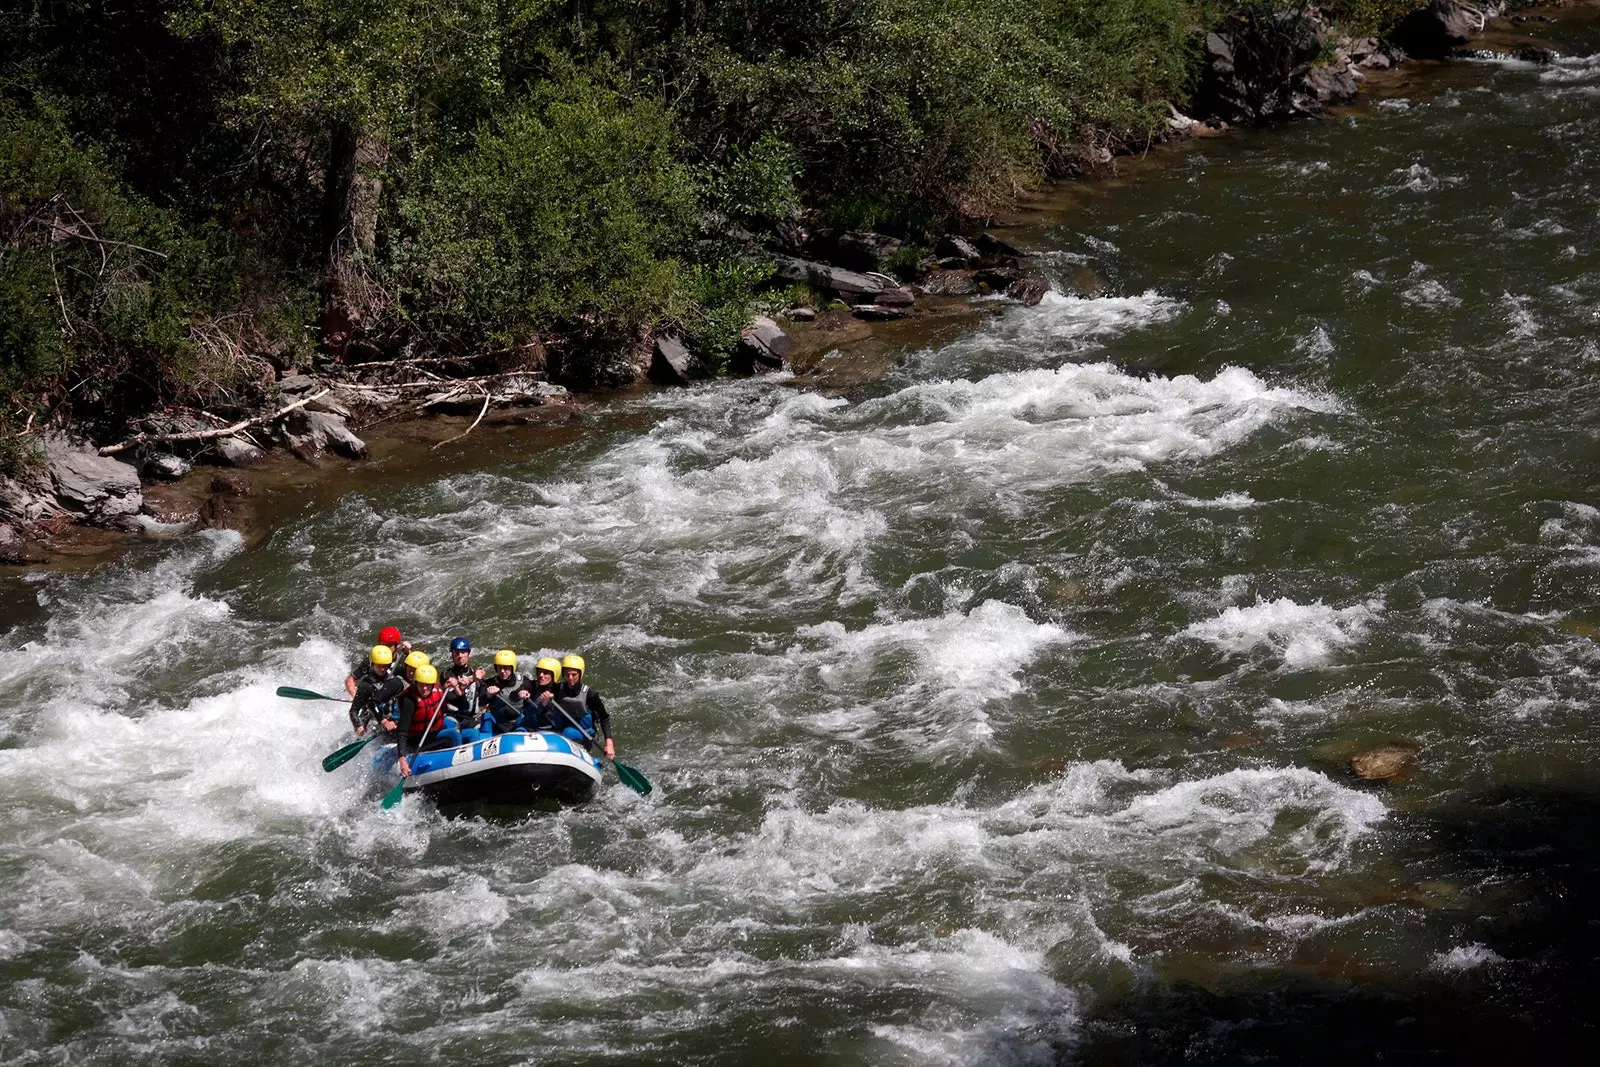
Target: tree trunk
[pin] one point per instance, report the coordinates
(337, 179)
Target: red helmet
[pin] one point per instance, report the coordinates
(389, 635)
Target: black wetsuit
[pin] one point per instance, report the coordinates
(464, 705)
(374, 696)
(494, 707)
(585, 707)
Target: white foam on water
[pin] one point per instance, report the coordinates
(120, 623)
(1430, 293)
(936, 673)
(996, 1004)
(1466, 958)
(1316, 343)
(1418, 178)
(1045, 428)
(1241, 809)
(1523, 324)
(1304, 635)
(1567, 70)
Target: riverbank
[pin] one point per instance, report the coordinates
(852, 319)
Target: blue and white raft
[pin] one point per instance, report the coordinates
(514, 768)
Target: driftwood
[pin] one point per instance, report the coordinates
(488, 395)
(206, 435)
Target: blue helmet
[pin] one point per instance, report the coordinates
(460, 644)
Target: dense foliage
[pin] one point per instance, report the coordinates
(190, 187)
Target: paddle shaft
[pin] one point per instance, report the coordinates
(395, 795)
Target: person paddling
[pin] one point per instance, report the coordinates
(461, 680)
(414, 660)
(375, 690)
(541, 714)
(422, 724)
(500, 700)
(399, 648)
(583, 705)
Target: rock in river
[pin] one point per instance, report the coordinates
(1389, 763)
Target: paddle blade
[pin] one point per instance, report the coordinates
(303, 694)
(392, 797)
(632, 778)
(334, 760)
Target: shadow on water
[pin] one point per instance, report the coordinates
(1534, 1001)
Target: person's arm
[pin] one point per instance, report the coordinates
(350, 684)
(602, 723)
(360, 701)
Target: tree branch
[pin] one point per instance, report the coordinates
(206, 435)
(487, 396)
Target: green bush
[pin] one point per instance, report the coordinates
(108, 303)
(563, 213)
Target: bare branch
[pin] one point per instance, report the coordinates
(206, 435)
(487, 396)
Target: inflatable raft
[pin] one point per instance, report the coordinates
(514, 768)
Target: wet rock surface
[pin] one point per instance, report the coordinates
(100, 490)
(1386, 763)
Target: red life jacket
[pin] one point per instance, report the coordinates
(428, 716)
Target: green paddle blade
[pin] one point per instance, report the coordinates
(632, 778)
(334, 760)
(392, 797)
(304, 694)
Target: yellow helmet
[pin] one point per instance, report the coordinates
(381, 656)
(417, 659)
(427, 674)
(505, 658)
(549, 663)
(573, 660)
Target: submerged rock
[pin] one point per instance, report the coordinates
(1387, 763)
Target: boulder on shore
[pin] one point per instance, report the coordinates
(671, 363)
(859, 249)
(826, 277)
(763, 346)
(234, 451)
(1252, 70)
(97, 489)
(311, 432)
(1435, 30)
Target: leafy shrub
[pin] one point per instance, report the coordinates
(564, 212)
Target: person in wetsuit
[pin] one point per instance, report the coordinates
(460, 683)
(539, 713)
(421, 725)
(499, 696)
(376, 689)
(399, 648)
(583, 706)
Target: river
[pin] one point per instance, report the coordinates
(999, 709)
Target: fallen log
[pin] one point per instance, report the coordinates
(206, 435)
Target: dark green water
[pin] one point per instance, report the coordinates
(1000, 710)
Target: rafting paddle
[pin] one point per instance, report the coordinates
(625, 774)
(305, 694)
(338, 758)
(396, 794)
